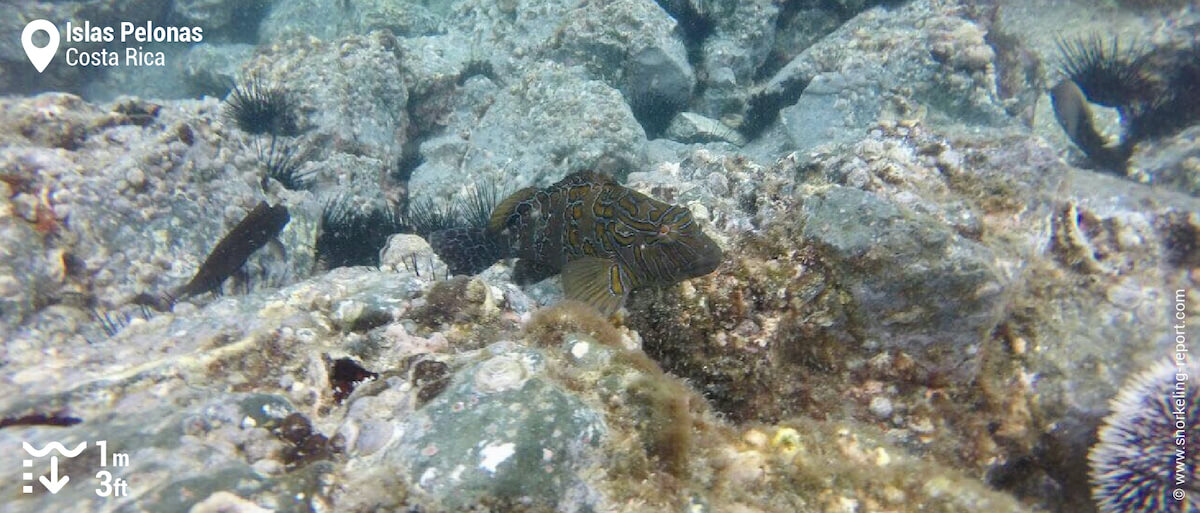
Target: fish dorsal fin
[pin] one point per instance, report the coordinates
(599, 282)
(499, 218)
(586, 177)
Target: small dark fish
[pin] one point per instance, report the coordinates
(604, 238)
(253, 232)
(1153, 89)
(1073, 114)
(40, 419)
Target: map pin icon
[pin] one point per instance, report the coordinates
(40, 57)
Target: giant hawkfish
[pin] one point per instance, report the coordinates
(605, 239)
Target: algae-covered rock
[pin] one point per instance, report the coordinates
(173, 456)
(922, 305)
(915, 285)
(502, 432)
(126, 198)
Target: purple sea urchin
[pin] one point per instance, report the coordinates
(1145, 460)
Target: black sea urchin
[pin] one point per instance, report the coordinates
(1177, 106)
(655, 110)
(1146, 458)
(474, 68)
(693, 24)
(353, 231)
(458, 231)
(1109, 75)
(258, 109)
(763, 106)
(283, 161)
(479, 203)
(426, 216)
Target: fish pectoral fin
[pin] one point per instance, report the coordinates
(599, 282)
(527, 271)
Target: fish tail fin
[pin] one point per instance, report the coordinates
(466, 249)
(500, 214)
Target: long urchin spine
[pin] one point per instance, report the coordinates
(353, 233)
(1110, 75)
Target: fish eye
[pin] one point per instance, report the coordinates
(664, 230)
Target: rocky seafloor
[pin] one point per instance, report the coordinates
(929, 299)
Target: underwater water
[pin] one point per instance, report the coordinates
(759, 256)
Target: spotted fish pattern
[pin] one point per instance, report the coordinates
(605, 239)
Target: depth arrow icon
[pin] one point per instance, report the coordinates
(54, 484)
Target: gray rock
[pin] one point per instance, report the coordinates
(927, 63)
(293, 18)
(157, 82)
(446, 103)
(524, 138)
(402, 18)
(744, 35)
(158, 202)
(628, 44)
(730, 194)
(209, 69)
(29, 272)
(824, 116)
(657, 85)
(516, 28)
(214, 16)
(635, 39)
(804, 28)
(881, 407)
(502, 431)
(732, 55)
(331, 20)
(351, 92)
(1106, 315)
(1104, 332)
(1171, 162)
(411, 252)
(434, 62)
(916, 286)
